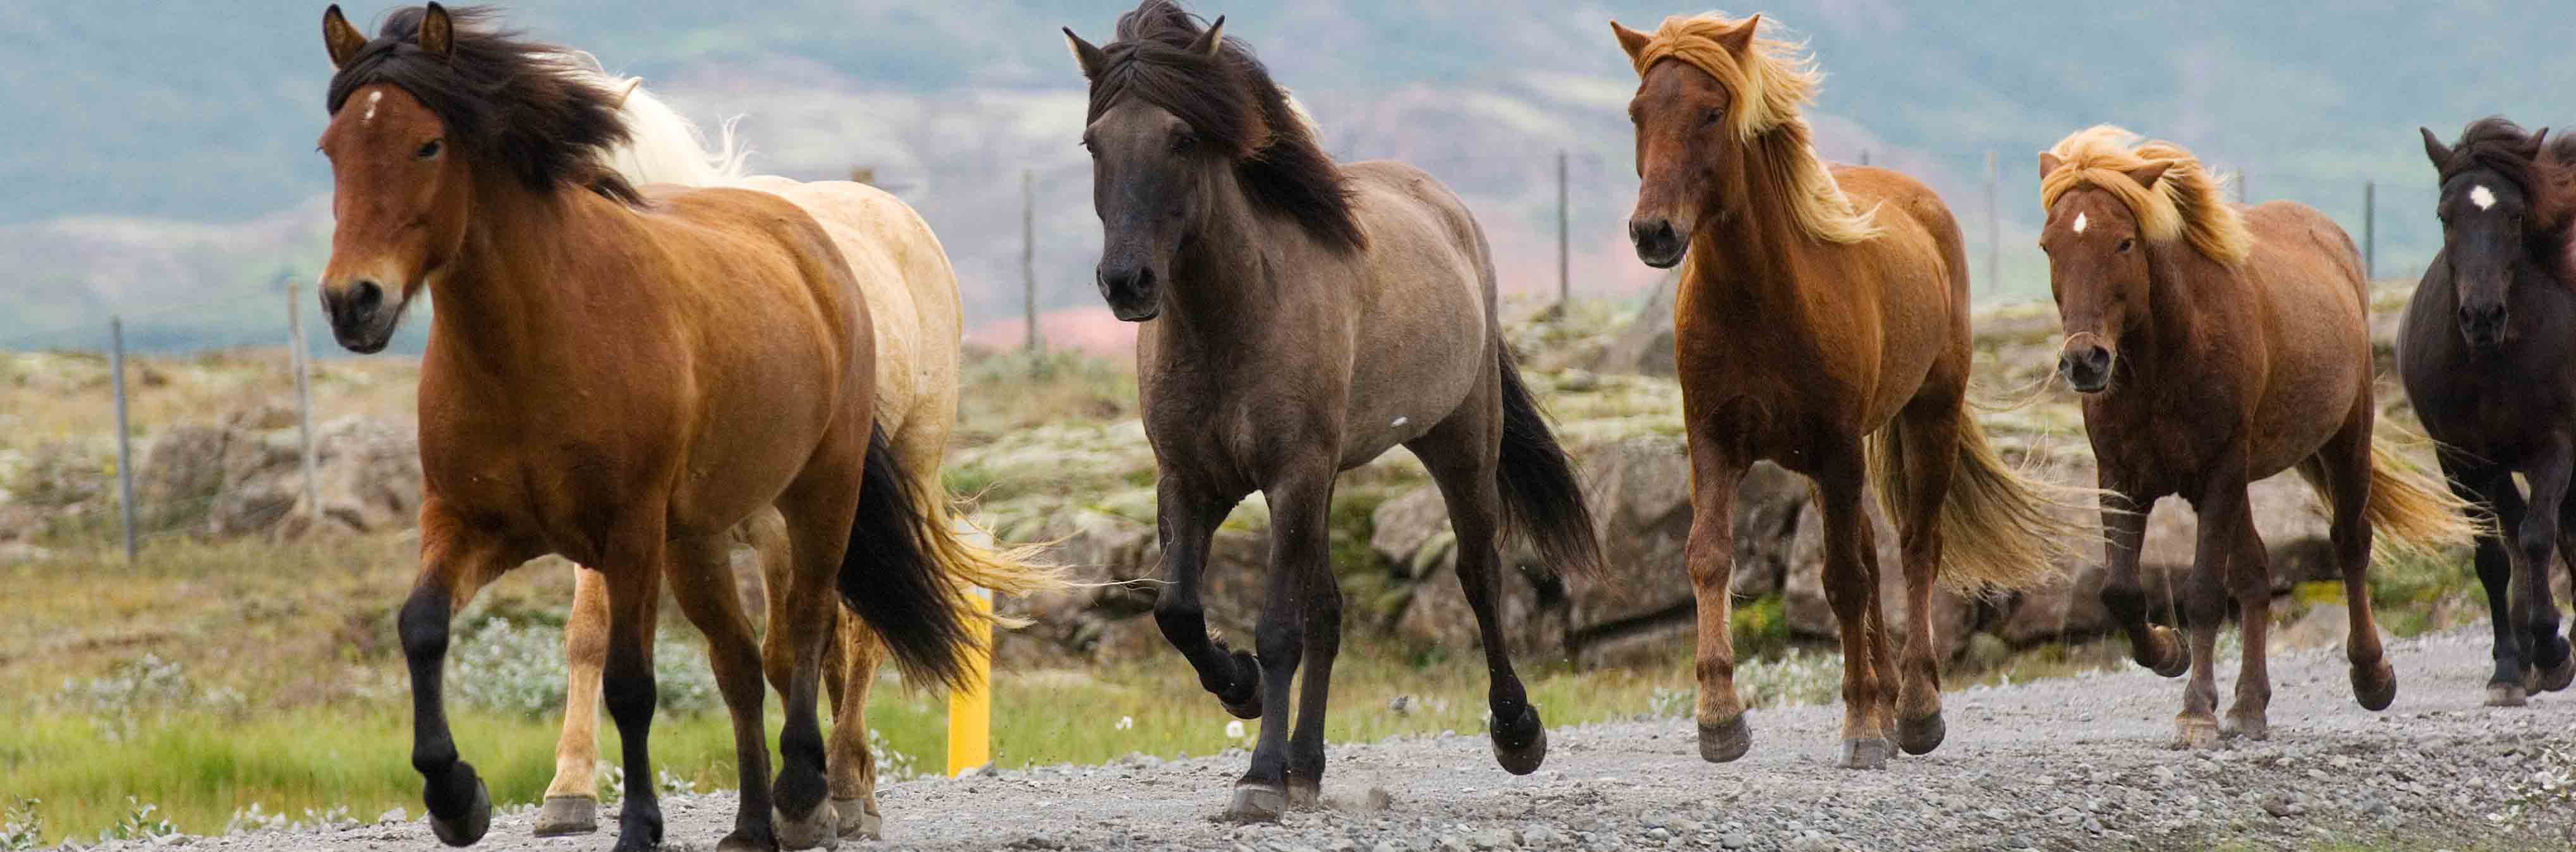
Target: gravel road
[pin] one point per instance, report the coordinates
(2076, 763)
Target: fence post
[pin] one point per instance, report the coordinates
(1029, 256)
(970, 708)
(1864, 156)
(1994, 229)
(2370, 230)
(124, 440)
(1564, 275)
(297, 359)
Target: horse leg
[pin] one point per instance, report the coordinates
(572, 800)
(701, 575)
(627, 685)
(2249, 576)
(1724, 734)
(2344, 469)
(1323, 615)
(853, 767)
(1186, 518)
(1299, 504)
(2494, 569)
(817, 510)
(2535, 610)
(1934, 432)
(1852, 594)
(1462, 454)
(2124, 526)
(2204, 606)
(456, 562)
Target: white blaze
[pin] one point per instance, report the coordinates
(373, 97)
(2079, 223)
(2481, 196)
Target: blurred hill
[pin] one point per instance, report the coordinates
(164, 162)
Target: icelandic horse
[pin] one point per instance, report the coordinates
(1821, 323)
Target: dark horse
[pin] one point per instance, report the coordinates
(1299, 318)
(593, 350)
(2488, 351)
(2216, 345)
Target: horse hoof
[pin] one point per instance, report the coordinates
(565, 815)
(1868, 753)
(1247, 675)
(1921, 736)
(468, 827)
(2177, 661)
(1304, 795)
(2506, 695)
(737, 842)
(1520, 745)
(818, 830)
(2252, 727)
(1725, 741)
(1257, 803)
(2196, 734)
(2375, 688)
(2553, 680)
(856, 822)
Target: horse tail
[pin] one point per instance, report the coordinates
(891, 578)
(2409, 508)
(1542, 500)
(1999, 528)
(967, 555)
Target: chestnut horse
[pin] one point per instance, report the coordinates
(2217, 345)
(911, 293)
(592, 354)
(2485, 354)
(1297, 318)
(1820, 309)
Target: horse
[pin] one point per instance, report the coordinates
(1298, 317)
(2483, 351)
(1821, 322)
(2216, 345)
(911, 293)
(593, 347)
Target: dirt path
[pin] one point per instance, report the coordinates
(2078, 763)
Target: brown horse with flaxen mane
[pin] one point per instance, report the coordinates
(1296, 318)
(593, 352)
(1822, 324)
(2216, 345)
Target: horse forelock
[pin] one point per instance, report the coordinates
(1765, 87)
(2187, 202)
(521, 105)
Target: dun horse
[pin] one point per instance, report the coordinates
(2485, 351)
(911, 293)
(2216, 346)
(591, 355)
(1298, 318)
(1819, 309)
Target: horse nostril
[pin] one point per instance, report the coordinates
(2098, 358)
(364, 296)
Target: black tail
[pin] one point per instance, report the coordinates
(890, 580)
(1541, 498)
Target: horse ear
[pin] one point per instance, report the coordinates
(437, 32)
(2049, 163)
(2539, 142)
(1632, 41)
(2439, 153)
(1211, 41)
(1085, 55)
(342, 40)
(1740, 39)
(2146, 175)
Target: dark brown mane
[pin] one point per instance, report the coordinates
(2496, 144)
(1230, 100)
(519, 104)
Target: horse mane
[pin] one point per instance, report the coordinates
(1230, 101)
(662, 146)
(2187, 202)
(1767, 85)
(526, 106)
(2547, 176)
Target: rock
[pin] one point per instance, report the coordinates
(1804, 606)
(181, 476)
(366, 479)
(23, 553)
(1735, 840)
(1645, 345)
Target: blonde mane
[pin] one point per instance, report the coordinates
(2187, 202)
(1767, 85)
(663, 146)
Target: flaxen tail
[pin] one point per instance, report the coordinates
(2000, 529)
(2411, 511)
(965, 553)
(1542, 499)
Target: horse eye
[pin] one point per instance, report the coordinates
(1182, 142)
(2125, 243)
(1710, 120)
(427, 150)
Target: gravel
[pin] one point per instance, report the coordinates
(2019, 772)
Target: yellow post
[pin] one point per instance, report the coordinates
(970, 710)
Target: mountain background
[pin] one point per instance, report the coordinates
(163, 169)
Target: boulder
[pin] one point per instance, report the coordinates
(1645, 345)
(1804, 607)
(2287, 515)
(1116, 566)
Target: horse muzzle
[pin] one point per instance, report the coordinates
(2086, 364)
(1659, 244)
(2482, 326)
(361, 320)
(1132, 293)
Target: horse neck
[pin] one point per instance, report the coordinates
(1221, 277)
(1751, 248)
(2182, 288)
(502, 303)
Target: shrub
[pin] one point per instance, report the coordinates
(513, 667)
